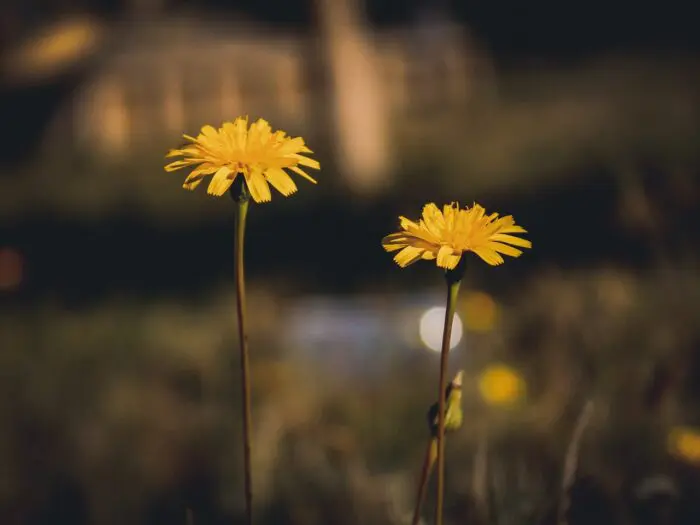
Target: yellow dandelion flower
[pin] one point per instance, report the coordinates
(260, 154)
(445, 235)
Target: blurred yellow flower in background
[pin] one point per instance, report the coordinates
(685, 443)
(500, 385)
(480, 312)
(445, 235)
(54, 48)
(260, 154)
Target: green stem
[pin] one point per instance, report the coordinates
(454, 279)
(240, 196)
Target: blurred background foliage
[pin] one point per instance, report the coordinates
(117, 328)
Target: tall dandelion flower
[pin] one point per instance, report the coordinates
(260, 156)
(445, 236)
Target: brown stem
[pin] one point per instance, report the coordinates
(571, 461)
(428, 462)
(453, 282)
(241, 213)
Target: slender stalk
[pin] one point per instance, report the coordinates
(454, 279)
(428, 462)
(571, 461)
(479, 476)
(240, 195)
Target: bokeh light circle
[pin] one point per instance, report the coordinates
(500, 385)
(480, 312)
(431, 326)
(11, 268)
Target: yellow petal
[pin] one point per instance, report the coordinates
(510, 239)
(443, 256)
(504, 249)
(191, 185)
(259, 189)
(241, 134)
(393, 247)
(306, 161)
(258, 134)
(446, 209)
(289, 147)
(394, 241)
(281, 181)
(407, 224)
(478, 210)
(192, 180)
(489, 256)
(512, 229)
(452, 261)
(407, 256)
(186, 151)
(221, 181)
(301, 172)
(231, 135)
(209, 131)
(200, 172)
(422, 235)
(433, 221)
(416, 242)
(179, 164)
(174, 153)
(430, 209)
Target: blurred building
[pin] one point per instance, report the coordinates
(165, 75)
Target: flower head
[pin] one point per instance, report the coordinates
(258, 153)
(445, 235)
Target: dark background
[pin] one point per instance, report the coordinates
(117, 401)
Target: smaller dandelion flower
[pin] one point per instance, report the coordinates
(445, 235)
(257, 153)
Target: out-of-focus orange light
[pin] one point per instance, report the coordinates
(480, 312)
(54, 48)
(11, 269)
(684, 443)
(500, 385)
